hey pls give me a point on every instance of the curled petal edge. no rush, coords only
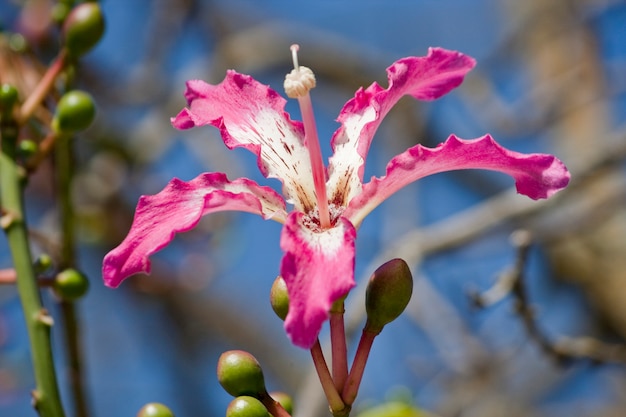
(536, 175)
(178, 208)
(424, 78)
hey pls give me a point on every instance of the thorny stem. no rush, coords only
(315, 152)
(351, 388)
(46, 399)
(338, 343)
(337, 406)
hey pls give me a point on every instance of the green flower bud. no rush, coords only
(27, 148)
(75, 111)
(42, 263)
(155, 410)
(240, 373)
(70, 284)
(283, 399)
(83, 28)
(246, 406)
(59, 12)
(8, 97)
(388, 293)
(393, 409)
(279, 298)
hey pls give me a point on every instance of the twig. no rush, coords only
(565, 348)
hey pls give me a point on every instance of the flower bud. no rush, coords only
(246, 406)
(83, 28)
(8, 97)
(239, 373)
(26, 148)
(284, 400)
(279, 298)
(388, 293)
(42, 264)
(59, 12)
(155, 410)
(75, 111)
(70, 284)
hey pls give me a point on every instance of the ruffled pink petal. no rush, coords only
(251, 115)
(425, 78)
(178, 208)
(536, 175)
(318, 268)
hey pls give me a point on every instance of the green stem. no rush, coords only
(64, 172)
(46, 399)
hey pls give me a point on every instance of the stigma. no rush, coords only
(300, 80)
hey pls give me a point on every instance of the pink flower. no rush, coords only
(328, 203)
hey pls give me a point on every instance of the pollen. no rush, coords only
(300, 80)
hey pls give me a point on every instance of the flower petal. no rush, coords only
(251, 115)
(318, 268)
(425, 78)
(536, 175)
(178, 208)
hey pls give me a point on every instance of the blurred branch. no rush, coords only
(563, 349)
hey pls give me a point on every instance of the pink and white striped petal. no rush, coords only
(251, 115)
(425, 78)
(536, 175)
(318, 268)
(178, 208)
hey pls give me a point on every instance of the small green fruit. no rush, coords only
(246, 406)
(83, 28)
(75, 112)
(240, 373)
(155, 410)
(70, 284)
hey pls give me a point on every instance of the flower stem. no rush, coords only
(64, 173)
(351, 388)
(338, 343)
(46, 399)
(44, 86)
(335, 402)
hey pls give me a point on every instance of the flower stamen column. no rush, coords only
(297, 85)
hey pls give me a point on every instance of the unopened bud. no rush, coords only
(239, 373)
(83, 28)
(70, 284)
(246, 406)
(279, 298)
(75, 112)
(8, 97)
(388, 293)
(155, 410)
